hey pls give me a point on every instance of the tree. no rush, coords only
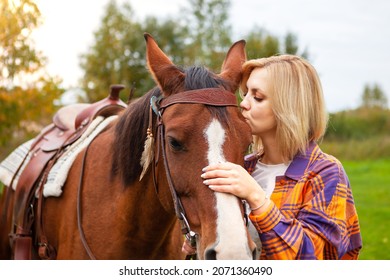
(373, 97)
(261, 43)
(170, 36)
(117, 55)
(16, 54)
(291, 46)
(26, 91)
(208, 32)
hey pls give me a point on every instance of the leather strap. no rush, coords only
(207, 96)
(23, 248)
(79, 206)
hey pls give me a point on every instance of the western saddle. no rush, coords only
(68, 125)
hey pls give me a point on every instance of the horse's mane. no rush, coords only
(130, 131)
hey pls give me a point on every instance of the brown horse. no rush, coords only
(193, 121)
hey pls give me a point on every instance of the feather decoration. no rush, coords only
(147, 154)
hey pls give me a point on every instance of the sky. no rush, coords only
(348, 40)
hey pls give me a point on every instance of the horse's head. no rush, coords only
(200, 125)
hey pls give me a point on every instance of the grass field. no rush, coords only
(370, 181)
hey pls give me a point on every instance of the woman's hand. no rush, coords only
(232, 178)
(187, 248)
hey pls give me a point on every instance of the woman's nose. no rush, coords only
(244, 104)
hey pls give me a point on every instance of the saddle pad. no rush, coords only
(9, 166)
(59, 172)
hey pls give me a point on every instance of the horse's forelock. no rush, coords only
(198, 77)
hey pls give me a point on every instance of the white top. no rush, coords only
(265, 175)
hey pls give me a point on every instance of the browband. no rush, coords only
(206, 96)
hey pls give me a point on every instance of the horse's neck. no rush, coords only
(150, 229)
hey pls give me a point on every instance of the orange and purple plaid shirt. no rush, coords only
(312, 214)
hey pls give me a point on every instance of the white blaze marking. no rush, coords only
(231, 240)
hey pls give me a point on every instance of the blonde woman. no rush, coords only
(300, 198)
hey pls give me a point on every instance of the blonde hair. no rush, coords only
(297, 100)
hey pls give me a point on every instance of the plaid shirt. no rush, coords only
(312, 214)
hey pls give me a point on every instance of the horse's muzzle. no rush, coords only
(211, 254)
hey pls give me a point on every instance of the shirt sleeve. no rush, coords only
(317, 220)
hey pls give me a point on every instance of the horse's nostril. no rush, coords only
(210, 254)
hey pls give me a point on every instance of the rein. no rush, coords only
(209, 96)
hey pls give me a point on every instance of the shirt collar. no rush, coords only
(298, 165)
(301, 161)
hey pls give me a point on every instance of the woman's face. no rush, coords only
(256, 106)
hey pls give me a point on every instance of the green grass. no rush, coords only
(370, 181)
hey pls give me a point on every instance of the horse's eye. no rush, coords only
(174, 144)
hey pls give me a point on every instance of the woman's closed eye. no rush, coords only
(258, 99)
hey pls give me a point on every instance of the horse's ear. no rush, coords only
(168, 77)
(232, 66)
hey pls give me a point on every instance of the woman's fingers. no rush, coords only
(222, 170)
(187, 249)
(217, 174)
(231, 178)
(219, 166)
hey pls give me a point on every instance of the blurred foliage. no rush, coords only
(363, 133)
(359, 134)
(117, 55)
(358, 124)
(17, 21)
(374, 97)
(207, 37)
(260, 43)
(200, 35)
(371, 148)
(27, 93)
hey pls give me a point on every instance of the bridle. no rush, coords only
(216, 97)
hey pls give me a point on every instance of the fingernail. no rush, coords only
(206, 182)
(204, 169)
(203, 175)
